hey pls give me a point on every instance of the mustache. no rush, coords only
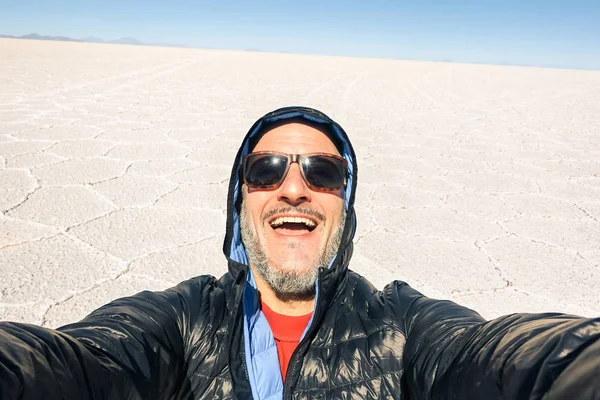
(293, 210)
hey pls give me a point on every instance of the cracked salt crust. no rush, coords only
(65, 262)
(178, 263)
(59, 133)
(147, 151)
(201, 196)
(134, 136)
(570, 190)
(582, 234)
(436, 262)
(80, 171)
(189, 131)
(129, 233)
(162, 167)
(489, 206)
(398, 195)
(527, 263)
(22, 147)
(17, 180)
(33, 160)
(371, 173)
(476, 183)
(543, 206)
(134, 191)
(76, 307)
(366, 222)
(81, 148)
(14, 232)
(495, 182)
(214, 155)
(439, 222)
(62, 206)
(10, 199)
(27, 312)
(591, 209)
(497, 302)
(205, 174)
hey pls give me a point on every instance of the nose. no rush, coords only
(293, 189)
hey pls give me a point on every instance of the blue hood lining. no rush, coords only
(260, 348)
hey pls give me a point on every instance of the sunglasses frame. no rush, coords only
(295, 158)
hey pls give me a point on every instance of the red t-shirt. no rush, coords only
(287, 331)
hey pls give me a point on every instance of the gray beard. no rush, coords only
(288, 284)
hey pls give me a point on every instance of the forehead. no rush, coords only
(296, 138)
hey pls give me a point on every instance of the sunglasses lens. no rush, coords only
(324, 172)
(263, 170)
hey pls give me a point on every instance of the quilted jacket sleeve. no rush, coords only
(132, 348)
(453, 353)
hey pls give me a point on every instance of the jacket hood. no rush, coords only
(233, 247)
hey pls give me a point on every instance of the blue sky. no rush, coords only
(543, 33)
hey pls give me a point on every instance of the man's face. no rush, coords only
(288, 256)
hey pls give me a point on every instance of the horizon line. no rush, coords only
(101, 41)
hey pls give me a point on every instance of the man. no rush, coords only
(290, 320)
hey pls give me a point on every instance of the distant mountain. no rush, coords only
(35, 36)
(127, 40)
(88, 39)
(92, 39)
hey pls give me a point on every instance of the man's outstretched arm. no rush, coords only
(130, 348)
(453, 353)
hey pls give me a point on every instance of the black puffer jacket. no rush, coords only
(188, 342)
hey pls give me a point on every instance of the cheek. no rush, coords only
(255, 204)
(334, 205)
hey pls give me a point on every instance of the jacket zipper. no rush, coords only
(243, 347)
(293, 362)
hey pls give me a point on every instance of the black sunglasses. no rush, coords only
(268, 169)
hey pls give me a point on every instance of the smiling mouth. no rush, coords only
(296, 225)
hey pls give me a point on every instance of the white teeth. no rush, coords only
(297, 220)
